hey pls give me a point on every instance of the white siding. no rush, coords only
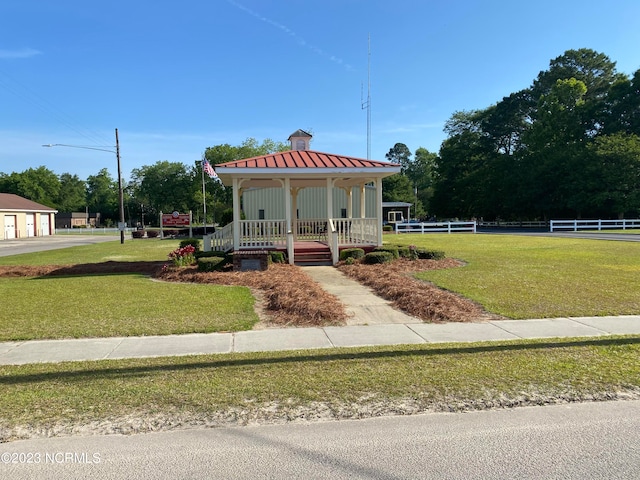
(311, 203)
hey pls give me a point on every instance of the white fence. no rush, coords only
(503, 224)
(436, 227)
(91, 231)
(575, 225)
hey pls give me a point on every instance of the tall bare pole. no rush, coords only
(204, 195)
(367, 105)
(120, 194)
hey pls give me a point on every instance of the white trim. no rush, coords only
(308, 171)
(20, 210)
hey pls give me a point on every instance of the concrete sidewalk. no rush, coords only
(363, 306)
(37, 351)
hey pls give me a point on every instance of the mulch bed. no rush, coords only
(291, 297)
(394, 282)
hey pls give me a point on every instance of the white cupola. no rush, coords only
(300, 140)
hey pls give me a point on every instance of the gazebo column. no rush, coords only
(287, 215)
(379, 209)
(236, 214)
(294, 213)
(350, 202)
(329, 199)
(363, 201)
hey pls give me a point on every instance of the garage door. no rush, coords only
(44, 224)
(31, 224)
(9, 227)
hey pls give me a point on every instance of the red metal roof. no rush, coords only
(9, 201)
(305, 159)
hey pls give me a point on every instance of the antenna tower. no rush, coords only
(367, 105)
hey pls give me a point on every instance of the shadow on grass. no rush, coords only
(273, 358)
(47, 272)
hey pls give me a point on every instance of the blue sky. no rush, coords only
(177, 77)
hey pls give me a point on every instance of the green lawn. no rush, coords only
(538, 277)
(511, 275)
(338, 382)
(115, 305)
(119, 305)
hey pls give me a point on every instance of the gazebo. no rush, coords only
(287, 174)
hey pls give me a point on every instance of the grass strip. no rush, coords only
(119, 305)
(538, 277)
(336, 383)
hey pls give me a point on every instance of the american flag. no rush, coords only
(208, 169)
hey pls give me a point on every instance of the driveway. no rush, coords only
(53, 242)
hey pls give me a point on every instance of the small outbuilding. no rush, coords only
(21, 217)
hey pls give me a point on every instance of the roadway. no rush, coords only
(627, 237)
(569, 441)
(52, 242)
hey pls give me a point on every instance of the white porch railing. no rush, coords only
(263, 234)
(310, 229)
(272, 233)
(221, 240)
(436, 227)
(575, 225)
(356, 231)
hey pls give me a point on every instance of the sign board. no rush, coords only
(175, 219)
(122, 226)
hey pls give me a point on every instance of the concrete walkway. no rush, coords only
(363, 306)
(36, 351)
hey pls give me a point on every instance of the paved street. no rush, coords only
(572, 441)
(52, 242)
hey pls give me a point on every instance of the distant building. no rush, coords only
(77, 220)
(21, 217)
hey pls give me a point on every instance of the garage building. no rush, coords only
(20, 217)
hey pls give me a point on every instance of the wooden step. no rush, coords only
(309, 257)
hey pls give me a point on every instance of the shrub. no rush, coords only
(194, 242)
(392, 249)
(183, 256)
(152, 233)
(277, 257)
(429, 254)
(354, 253)
(378, 257)
(137, 234)
(211, 264)
(170, 233)
(387, 228)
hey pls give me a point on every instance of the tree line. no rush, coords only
(162, 187)
(568, 146)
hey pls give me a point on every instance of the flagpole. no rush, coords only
(204, 196)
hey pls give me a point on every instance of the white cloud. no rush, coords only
(19, 53)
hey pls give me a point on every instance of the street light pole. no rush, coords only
(121, 223)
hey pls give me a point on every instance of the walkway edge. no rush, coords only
(282, 339)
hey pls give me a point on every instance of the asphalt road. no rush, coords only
(52, 242)
(574, 441)
(625, 237)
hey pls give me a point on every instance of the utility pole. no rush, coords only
(367, 105)
(120, 194)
